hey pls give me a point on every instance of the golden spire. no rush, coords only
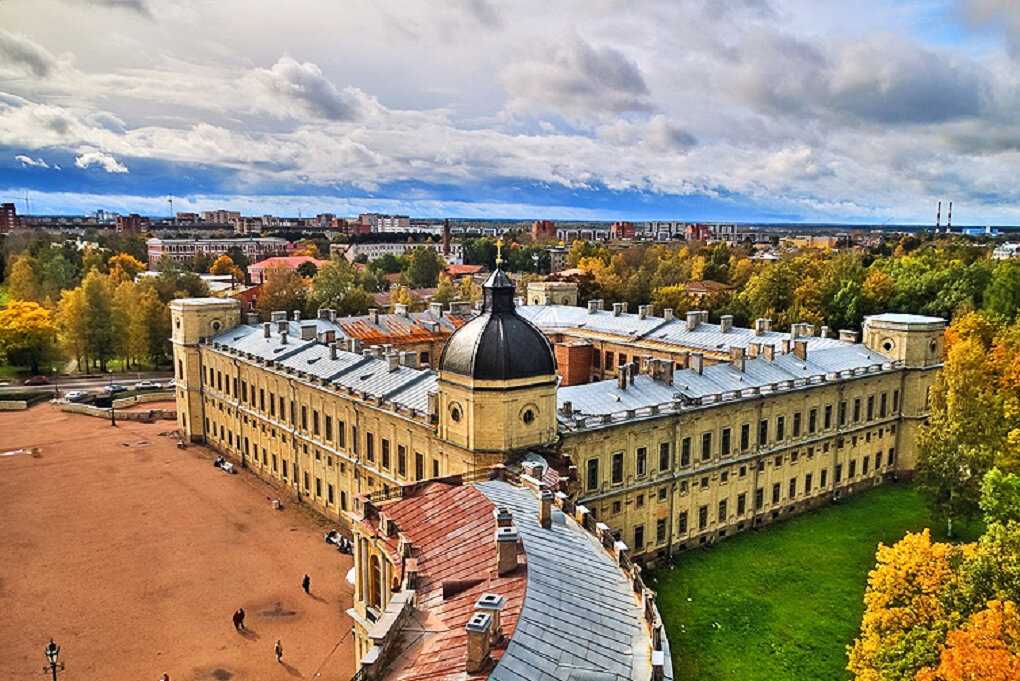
(499, 252)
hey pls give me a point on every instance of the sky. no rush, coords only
(752, 110)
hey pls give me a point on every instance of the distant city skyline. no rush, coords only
(753, 111)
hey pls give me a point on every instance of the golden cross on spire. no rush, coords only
(499, 251)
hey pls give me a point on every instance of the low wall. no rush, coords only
(13, 405)
(100, 412)
(142, 398)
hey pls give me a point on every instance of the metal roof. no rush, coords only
(580, 615)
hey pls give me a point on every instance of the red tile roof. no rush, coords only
(290, 262)
(463, 270)
(453, 532)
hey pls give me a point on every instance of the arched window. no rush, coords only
(375, 583)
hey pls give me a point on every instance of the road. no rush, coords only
(66, 383)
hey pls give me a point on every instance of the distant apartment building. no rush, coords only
(1006, 251)
(371, 251)
(377, 222)
(543, 230)
(8, 217)
(622, 230)
(557, 259)
(188, 218)
(183, 250)
(665, 230)
(226, 217)
(131, 224)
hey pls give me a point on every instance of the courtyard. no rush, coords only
(782, 603)
(133, 554)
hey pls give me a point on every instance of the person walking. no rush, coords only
(306, 584)
(239, 619)
(165, 677)
(278, 649)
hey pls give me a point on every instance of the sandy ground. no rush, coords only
(133, 555)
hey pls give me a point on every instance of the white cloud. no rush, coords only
(31, 162)
(108, 163)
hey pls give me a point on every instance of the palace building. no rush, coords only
(701, 431)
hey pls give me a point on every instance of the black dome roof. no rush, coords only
(498, 344)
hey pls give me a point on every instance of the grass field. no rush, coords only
(782, 603)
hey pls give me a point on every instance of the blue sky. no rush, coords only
(779, 110)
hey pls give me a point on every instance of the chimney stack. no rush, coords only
(373, 315)
(848, 336)
(938, 217)
(479, 641)
(619, 308)
(393, 361)
(737, 358)
(409, 358)
(823, 332)
(667, 314)
(267, 329)
(282, 325)
(692, 320)
(593, 306)
(621, 376)
(333, 351)
(491, 604)
(725, 323)
(769, 352)
(759, 327)
(697, 361)
(296, 315)
(307, 331)
(252, 318)
(283, 338)
(504, 516)
(949, 219)
(800, 349)
(436, 310)
(400, 309)
(323, 314)
(506, 550)
(545, 509)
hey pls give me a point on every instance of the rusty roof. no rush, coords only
(415, 327)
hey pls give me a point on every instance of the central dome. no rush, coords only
(498, 344)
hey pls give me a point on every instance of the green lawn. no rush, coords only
(783, 602)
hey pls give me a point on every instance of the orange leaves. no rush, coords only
(986, 648)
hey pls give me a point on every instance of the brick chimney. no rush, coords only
(725, 323)
(737, 358)
(446, 237)
(504, 516)
(283, 338)
(693, 318)
(333, 354)
(479, 635)
(800, 349)
(373, 315)
(621, 376)
(307, 331)
(491, 604)
(769, 352)
(619, 309)
(436, 310)
(593, 306)
(296, 315)
(506, 550)
(697, 362)
(545, 509)
(848, 336)
(667, 314)
(267, 329)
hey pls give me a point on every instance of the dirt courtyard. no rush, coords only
(133, 555)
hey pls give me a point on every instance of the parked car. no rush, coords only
(114, 388)
(37, 380)
(147, 385)
(170, 385)
(75, 395)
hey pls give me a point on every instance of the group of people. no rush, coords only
(342, 543)
(238, 620)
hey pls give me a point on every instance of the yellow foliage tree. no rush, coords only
(27, 334)
(22, 283)
(124, 266)
(70, 322)
(225, 265)
(987, 648)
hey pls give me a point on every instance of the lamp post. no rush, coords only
(52, 651)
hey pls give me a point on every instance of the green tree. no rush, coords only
(673, 297)
(307, 269)
(27, 335)
(282, 289)
(336, 286)
(1002, 297)
(423, 267)
(150, 325)
(446, 292)
(98, 314)
(70, 322)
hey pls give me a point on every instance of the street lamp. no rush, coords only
(51, 651)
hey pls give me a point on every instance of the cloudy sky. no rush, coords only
(869, 110)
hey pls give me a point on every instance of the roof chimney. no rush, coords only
(504, 516)
(373, 315)
(278, 315)
(491, 604)
(759, 327)
(800, 349)
(621, 376)
(307, 331)
(697, 361)
(545, 509)
(795, 330)
(693, 317)
(282, 325)
(324, 314)
(769, 352)
(593, 306)
(479, 633)
(619, 308)
(725, 323)
(267, 329)
(848, 336)
(567, 409)
(296, 315)
(252, 318)
(436, 309)
(333, 354)
(283, 338)
(784, 346)
(506, 550)
(409, 358)
(393, 361)
(328, 337)
(823, 332)
(753, 350)
(737, 357)
(400, 309)
(667, 314)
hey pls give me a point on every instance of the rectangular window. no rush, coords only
(307, 485)
(593, 474)
(763, 432)
(274, 463)
(272, 405)
(681, 522)
(341, 434)
(293, 413)
(807, 483)
(304, 417)
(329, 494)
(741, 503)
(871, 407)
(419, 466)
(315, 422)
(343, 501)
(706, 446)
(759, 498)
(641, 463)
(402, 461)
(622, 359)
(812, 422)
(745, 437)
(883, 404)
(722, 511)
(639, 538)
(609, 361)
(370, 446)
(895, 401)
(780, 428)
(664, 456)
(839, 473)
(329, 428)
(702, 517)
(891, 456)
(724, 442)
(864, 465)
(685, 452)
(262, 400)
(828, 417)
(385, 452)
(596, 359)
(825, 478)
(617, 468)
(318, 488)
(660, 530)
(283, 408)
(853, 468)
(796, 424)
(639, 502)
(793, 488)
(775, 493)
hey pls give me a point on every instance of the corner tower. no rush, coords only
(497, 378)
(192, 321)
(917, 341)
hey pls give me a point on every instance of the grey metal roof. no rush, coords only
(901, 318)
(580, 617)
(250, 340)
(606, 397)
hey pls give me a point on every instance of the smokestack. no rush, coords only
(332, 351)
(446, 237)
(938, 217)
(621, 376)
(491, 604)
(949, 219)
(504, 516)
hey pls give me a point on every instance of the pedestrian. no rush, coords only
(306, 584)
(239, 619)
(165, 677)
(278, 649)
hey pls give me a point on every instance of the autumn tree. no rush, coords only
(402, 295)
(986, 648)
(70, 322)
(468, 290)
(283, 289)
(27, 335)
(336, 286)
(674, 298)
(22, 283)
(225, 265)
(126, 263)
(98, 315)
(446, 292)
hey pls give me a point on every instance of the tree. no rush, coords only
(98, 318)
(446, 292)
(70, 322)
(335, 286)
(1000, 497)
(905, 619)
(200, 263)
(423, 267)
(283, 289)
(22, 283)
(27, 334)
(150, 325)
(674, 298)
(468, 290)
(307, 269)
(1002, 297)
(402, 296)
(126, 263)
(225, 265)
(986, 648)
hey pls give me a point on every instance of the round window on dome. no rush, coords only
(455, 413)
(528, 416)
(888, 345)
(216, 325)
